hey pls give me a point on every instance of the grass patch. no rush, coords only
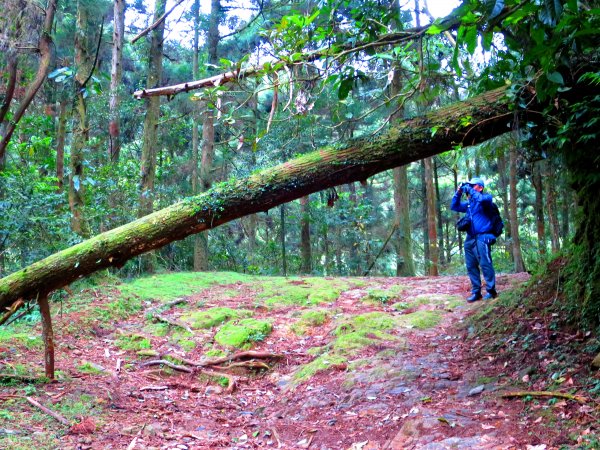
(310, 319)
(421, 319)
(133, 342)
(320, 364)
(243, 333)
(279, 291)
(383, 296)
(213, 317)
(169, 286)
(10, 336)
(90, 368)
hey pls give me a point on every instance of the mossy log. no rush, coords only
(466, 123)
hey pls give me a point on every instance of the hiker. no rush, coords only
(478, 244)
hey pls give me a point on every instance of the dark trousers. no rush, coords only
(478, 255)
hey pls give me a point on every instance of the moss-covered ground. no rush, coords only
(345, 336)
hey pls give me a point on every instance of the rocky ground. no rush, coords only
(382, 363)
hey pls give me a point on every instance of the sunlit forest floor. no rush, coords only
(229, 361)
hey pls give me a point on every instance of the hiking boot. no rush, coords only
(490, 295)
(474, 297)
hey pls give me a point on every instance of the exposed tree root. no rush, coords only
(200, 367)
(575, 398)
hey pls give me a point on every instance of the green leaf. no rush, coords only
(555, 77)
(345, 88)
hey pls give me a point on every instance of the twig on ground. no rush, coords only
(575, 398)
(168, 364)
(174, 322)
(54, 414)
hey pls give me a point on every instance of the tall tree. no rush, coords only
(150, 134)
(83, 72)
(431, 203)
(536, 180)
(305, 244)
(514, 213)
(201, 254)
(116, 72)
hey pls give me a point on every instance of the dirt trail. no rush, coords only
(414, 385)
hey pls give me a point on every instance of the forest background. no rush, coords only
(81, 155)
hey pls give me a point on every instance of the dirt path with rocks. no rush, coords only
(414, 385)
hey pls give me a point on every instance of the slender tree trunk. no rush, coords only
(514, 217)
(61, 133)
(405, 265)
(503, 187)
(47, 336)
(80, 125)
(431, 202)
(539, 207)
(438, 213)
(551, 208)
(282, 239)
(424, 221)
(201, 253)
(305, 244)
(150, 134)
(115, 79)
(457, 215)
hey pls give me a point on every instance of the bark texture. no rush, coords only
(403, 143)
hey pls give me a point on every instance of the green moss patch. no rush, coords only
(170, 286)
(320, 364)
(133, 342)
(278, 291)
(241, 334)
(9, 337)
(213, 317)
(357, 332)
(421, 319)
(310, 319)
(383, 296)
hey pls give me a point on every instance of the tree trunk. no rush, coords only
(115, 79)
(282, 239)
(201, 255)
(47, 336)
(45, 49)
(61, 133)
(405, 265)
(431, 202)
(80, 125)
(408, 141)
(150, 134)
(551, 208)
(305, 244)
(438, 214)
(539, 206)
(514, 215)
(503, 187)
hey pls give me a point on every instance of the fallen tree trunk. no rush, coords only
(411, 140)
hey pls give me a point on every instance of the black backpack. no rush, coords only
(497, 223)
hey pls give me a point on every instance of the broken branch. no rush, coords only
(575, 398)
(55, 415)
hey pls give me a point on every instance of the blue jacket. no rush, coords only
(476, 206)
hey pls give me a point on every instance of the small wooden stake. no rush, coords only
(47, 335)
